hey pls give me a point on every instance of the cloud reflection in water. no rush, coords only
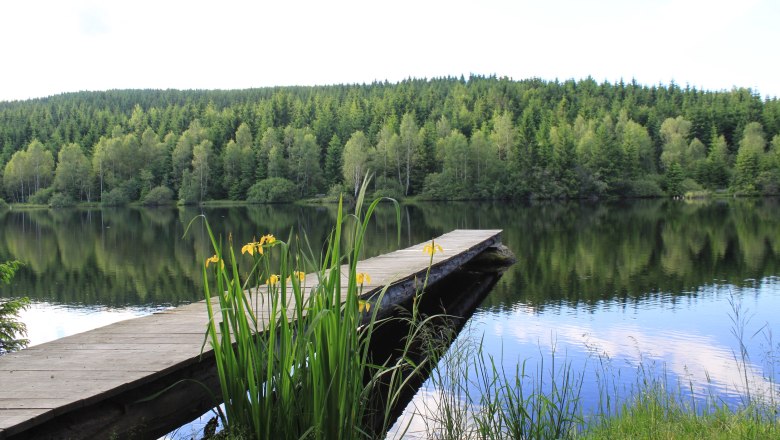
(47, 322)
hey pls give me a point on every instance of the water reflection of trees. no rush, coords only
(567, 252)
(628, 251)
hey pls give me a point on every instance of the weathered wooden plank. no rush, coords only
(12, 417)
(25, 403)
(19, 378)
(160, 343)
(84, 383)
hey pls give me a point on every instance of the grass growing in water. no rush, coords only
(290, 358)
(475, 398)
(655, 413)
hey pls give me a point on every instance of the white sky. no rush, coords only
(56, 46)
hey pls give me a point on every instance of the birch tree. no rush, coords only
(409, 143)
(74, 172)
(355, 160)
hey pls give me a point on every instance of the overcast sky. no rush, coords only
(56, 46)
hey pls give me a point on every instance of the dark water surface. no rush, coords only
(608, 286)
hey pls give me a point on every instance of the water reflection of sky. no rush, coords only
(687, 340)
(47, 322)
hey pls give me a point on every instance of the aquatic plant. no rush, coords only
(292, 352)
(472, 396)
(475, 397)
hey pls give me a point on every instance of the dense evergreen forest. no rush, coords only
(447, 138)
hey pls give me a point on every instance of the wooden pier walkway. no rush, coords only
(96, 384)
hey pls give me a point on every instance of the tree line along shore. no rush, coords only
(446, 138)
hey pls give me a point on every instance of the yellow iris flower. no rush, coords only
(297, 274)
(363, 306)
(432, 248)
(214, 259)
(362, 277)
(273, 280)
(250, 248)
(257, 246)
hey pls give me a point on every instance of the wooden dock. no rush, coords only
(97, 384)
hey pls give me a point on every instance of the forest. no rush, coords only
(445, 139)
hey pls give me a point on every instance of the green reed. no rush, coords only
(657, 409)
(292, 352)
(477, 398)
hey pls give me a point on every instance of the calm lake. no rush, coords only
(607, 287)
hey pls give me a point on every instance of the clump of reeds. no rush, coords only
(476, 398)
(656, 412)
(292, 351)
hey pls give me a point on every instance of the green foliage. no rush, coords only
(304, 160)
(8, 270)
(675, 135)
(745, 170)
(438, 186)
(200, 177)
(61, 200)
(42, 196)
(410, 140)
(181, 156)
(717, 164)
(74, 173)
(297, 370)
(239, 164)
(646, 187)
(388, 188)
(28, 171)
(690, 185)
(12, 331)
(435, 188)
(118, 159)
(339, 191)
(159, 195)
(355, 160)
(3, 205)
(653, 412)
(115, 197)
(272, 190)
(188, 193)
(768, 182)
(528, 138)
(674, 180)
(333, 167)
(749, 158)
